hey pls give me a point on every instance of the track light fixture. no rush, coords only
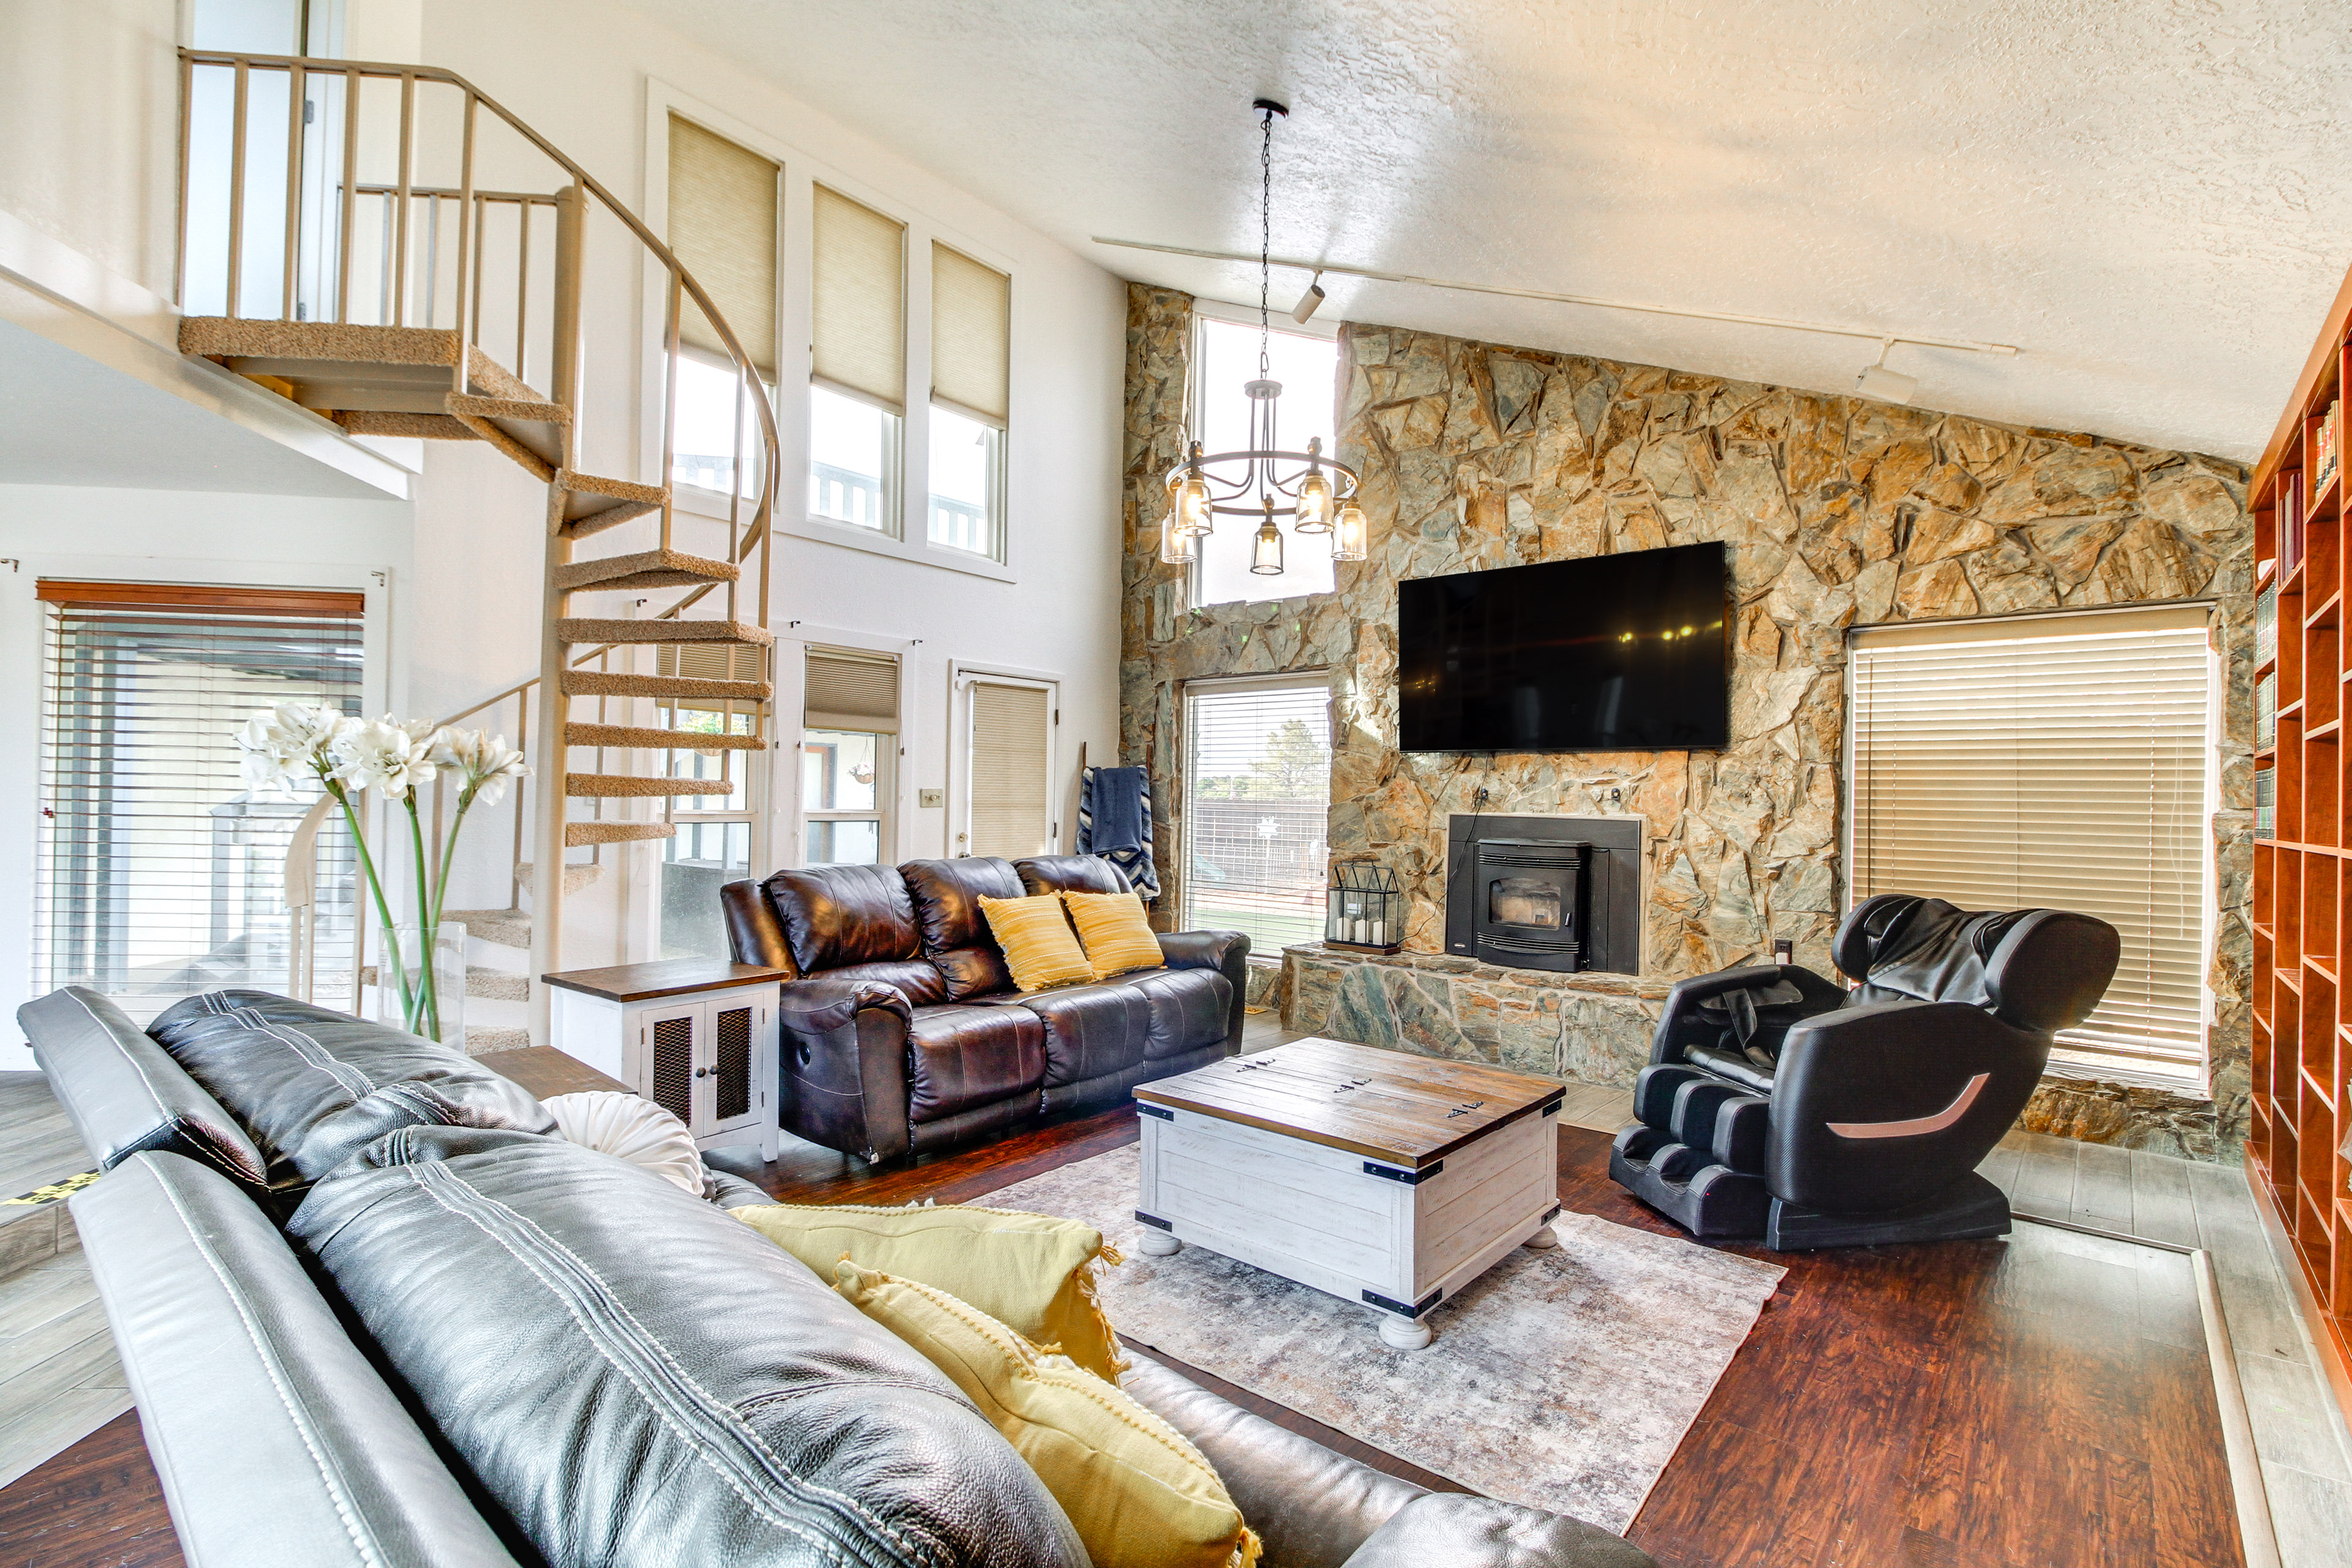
(1886, 385)
(1308, 303)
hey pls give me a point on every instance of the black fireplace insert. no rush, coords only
(1545, 892)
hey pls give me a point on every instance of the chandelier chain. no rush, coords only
(1265, 236)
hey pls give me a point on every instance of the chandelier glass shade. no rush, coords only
(1317, 490)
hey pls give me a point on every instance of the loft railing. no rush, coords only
(349, 192)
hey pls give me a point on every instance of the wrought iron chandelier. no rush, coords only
(1319, 494)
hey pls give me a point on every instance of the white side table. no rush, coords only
(695, 1036)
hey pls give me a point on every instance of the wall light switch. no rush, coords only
(930, 797)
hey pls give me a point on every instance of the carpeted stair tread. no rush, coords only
(390, 422)
(574, 877)
(602, 683)
(583, 524)
(491, 984)
(584, 629)
(579, 833)
(507, 928)
(328, 344)
(462, 404)
(480, 1041)
(659, 739)
(625, 787)
(643, 569)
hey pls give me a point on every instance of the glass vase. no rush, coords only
(421, 981)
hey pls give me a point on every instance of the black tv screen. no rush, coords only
(1612, 653)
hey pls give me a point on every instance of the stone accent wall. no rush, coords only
(1842, 512)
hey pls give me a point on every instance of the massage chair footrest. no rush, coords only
(1716, 1202)
(1971, 1207)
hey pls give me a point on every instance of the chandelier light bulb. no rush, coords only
(1176, 548)
(1347, 538)
(1265, 556)
(1314, 503)
(1192, 513)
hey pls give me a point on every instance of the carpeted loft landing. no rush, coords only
(1561, 1379)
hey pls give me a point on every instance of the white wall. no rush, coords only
(579, 73)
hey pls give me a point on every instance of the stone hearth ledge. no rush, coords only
(1590, 1028)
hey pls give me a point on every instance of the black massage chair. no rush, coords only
(1778, 1104)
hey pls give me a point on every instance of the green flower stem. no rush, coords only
(375, 890)
(429, 999)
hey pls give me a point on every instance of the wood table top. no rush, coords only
(547, 1072)
(1391, 1106)
(663, 977)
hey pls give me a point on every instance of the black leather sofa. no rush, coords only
(1778, 1104)
(903, 1034)
(472, 1344)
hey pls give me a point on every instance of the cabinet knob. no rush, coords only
(702, 1072)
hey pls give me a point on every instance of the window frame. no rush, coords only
(910, 539)
(1196, 410)
(2198, 1085)
(1314, 679)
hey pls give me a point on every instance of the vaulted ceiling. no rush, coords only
(2152, 199)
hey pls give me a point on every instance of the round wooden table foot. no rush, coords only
(1154, 1243)
(1404, 1333)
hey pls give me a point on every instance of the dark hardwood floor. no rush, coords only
(2042, 1402)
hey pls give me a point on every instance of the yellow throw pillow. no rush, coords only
(1031, 1272)
(1038, 945)
(1139, 1495)
(1114, 932)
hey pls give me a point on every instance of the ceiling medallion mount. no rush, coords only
(1319, 494)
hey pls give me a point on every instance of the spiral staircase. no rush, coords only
(406, 306)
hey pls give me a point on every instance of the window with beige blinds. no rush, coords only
(2059, 761)
(1256, 808)
(849, 689)
(161, 875)
(849, 754)
(971, 335)
(858, 280)
(723, 225)
(1009, 769)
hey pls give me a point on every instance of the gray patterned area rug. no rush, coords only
(1561, 1379)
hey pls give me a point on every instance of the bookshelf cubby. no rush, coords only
(2302, 915)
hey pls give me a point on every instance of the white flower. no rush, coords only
(292, 737)
(485, 761)
(383, 754)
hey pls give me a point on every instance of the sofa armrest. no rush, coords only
(755, 934)
(125, 1094)
(1227, 952)
(844, 1065)
(1455, 1529)
(1683, 1001)
(1312, 1507)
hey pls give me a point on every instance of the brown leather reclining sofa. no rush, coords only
(903, 1033)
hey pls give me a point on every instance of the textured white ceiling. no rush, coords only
(2152, 197)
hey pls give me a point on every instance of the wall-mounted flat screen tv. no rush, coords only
(1612, 653)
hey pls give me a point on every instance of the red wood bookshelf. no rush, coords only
(2302, 1109)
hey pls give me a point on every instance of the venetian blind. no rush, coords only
(2055, 762)
(723, 225)
(971, 335)
(858, 278)
(160, 874)
(1010, 809)
(848, 690)
(1257, 793)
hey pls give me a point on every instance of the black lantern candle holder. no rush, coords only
(1364, 910)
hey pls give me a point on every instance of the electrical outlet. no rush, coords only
(930, 797)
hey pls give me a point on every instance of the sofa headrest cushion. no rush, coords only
(947, 894)
(311, 1086)
(838, 915)
(621, 1368)
(1069, 874)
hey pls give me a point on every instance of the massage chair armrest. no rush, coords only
(1227, 952)
(1881, 1105)
(1455, 1529)
(845, 1064)
(1683, 1002)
